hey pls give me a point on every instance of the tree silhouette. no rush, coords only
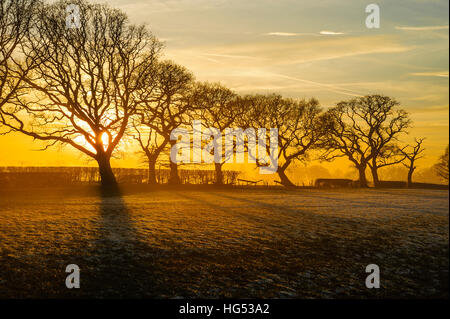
(162, 111)
(299, 123)
(364, 130)
(84, 89)
(442, 166)
(151, 144)
(412, 155)
(218, 107)
(16, 19)
(388, 155)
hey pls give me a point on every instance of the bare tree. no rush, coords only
(365, 130)
(387, 156)
(163, 111)
(442, 166)
(412, 153)
(218, 107)
(390, 124)
(16, 19)
(84, 89)
(299, 124)
(151, 144)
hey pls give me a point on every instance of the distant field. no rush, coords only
(211, 243)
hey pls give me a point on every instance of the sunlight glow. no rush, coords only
(105, 141)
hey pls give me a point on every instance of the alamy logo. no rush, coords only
(73, 279)
(73, 20)
(373, 279)
(373, 19)
(206, 146)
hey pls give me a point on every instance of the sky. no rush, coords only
(300, 49)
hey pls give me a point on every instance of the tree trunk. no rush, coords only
(376, 180)
(284, 179)
(219, 174)
(362, 176)
(106, 174)
(151, 171)
(410, 173)
(174, 179)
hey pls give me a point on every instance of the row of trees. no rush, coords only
(104, 82)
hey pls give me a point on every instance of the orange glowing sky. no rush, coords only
(300, 49)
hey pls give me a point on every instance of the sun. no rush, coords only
(81, 140)
(105, 140)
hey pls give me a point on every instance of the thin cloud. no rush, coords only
(331, 33)
(232, 56)
(294, 34)
(443, 74)
(328, 87)
(261, 54)
(283, 34)
(426, 28)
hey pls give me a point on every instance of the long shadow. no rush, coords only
(119, 263)
(273, 207)
(346, 201)
(216, 205)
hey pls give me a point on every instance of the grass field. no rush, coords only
(213, 243)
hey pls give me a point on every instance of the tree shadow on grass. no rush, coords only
(119, 264)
